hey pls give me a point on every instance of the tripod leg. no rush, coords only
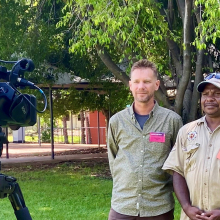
(18, 204)
(23, 214)
(9, 187)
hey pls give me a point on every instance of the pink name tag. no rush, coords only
(157, 137)
(218, 155)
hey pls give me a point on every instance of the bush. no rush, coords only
(45, 135)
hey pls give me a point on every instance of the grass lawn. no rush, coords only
(70, 191)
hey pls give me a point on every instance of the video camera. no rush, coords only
(17, 109)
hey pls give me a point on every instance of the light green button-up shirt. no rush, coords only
(140, 186)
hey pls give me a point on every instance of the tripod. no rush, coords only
(9, 187)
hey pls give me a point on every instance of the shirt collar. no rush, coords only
(154, 110)
(201, 120)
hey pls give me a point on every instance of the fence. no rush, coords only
(43, 135)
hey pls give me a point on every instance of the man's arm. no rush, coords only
(111, 145)
(182, 194)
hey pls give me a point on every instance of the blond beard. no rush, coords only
(146, 99)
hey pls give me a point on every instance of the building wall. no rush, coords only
(76, 122)
(97, 127)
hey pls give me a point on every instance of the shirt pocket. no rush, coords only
(191, 155)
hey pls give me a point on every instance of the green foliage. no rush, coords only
(13, 27)
(111, 96)
(45, 136)
(124, 29)
(209, 27)
(63, 36)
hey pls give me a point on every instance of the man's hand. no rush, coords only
(210, 215)
(193, 212)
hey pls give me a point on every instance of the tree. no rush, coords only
(209, 27)
(163, 31)
(105, 37)
(13, 28)
(82, 120)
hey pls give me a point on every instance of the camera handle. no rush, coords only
(9, 187)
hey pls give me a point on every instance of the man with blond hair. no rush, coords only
(140, 138)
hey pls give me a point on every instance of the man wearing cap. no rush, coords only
(195, 158)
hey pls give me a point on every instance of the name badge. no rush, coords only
(218, 155)
(157, 137)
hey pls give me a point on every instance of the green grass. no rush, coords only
(70, 191)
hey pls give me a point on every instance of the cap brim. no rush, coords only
(202, 85)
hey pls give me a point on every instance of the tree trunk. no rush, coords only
(194, 113)
(82, 119)
(88, 130)
(121, 75)
(181, 8)
(187, 69)
(65, 132)
(198, 78)
(187, 102)
(106, 59)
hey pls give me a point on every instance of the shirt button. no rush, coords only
(205, 183)
(208, 157)
(210, 145)
(206, 170)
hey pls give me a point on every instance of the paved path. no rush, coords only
(25, 153)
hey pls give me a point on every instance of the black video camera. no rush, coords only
(17, 109)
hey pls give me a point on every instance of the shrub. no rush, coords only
(45, 135)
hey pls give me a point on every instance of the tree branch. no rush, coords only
(121, 75)
(198, 79)
(181, 8)
(174, 49)
(106, 59)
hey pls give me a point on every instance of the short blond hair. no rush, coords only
(143, 64)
